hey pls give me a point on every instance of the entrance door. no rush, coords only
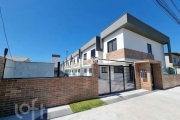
(152, 75)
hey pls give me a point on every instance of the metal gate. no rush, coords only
(113, 78)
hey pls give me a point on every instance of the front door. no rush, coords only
(152, 75)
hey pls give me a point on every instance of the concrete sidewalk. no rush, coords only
(160, 105)
(65, 110)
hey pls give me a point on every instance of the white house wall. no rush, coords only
(88, 51)
(139, 43)
(120, 41)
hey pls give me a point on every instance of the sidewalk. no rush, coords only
(160, 105)
(65, 110)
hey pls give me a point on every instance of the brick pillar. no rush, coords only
(95, 78)
(2, 60)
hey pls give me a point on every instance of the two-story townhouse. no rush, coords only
(127, 40)
(175, 60)
(79, 63)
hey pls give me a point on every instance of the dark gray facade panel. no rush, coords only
(114, 26)
(80, 55)
(147, 30)
(53, 55)
(169, 52)
(98, 44)
(131, 23)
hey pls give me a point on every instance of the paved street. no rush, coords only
(160, 105)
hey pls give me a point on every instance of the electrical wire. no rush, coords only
(163, 4)
(175, 6)
(5, 33)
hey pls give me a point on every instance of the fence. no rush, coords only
(14, 69)
(50, 92)
(170, 70)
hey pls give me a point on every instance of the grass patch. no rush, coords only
(86, 105)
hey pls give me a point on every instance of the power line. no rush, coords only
(175, 6)
(167, 8)
(5, 33)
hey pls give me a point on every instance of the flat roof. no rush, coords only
(84, 47)
(173, 53)
(133, 24)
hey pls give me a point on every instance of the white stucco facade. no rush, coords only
(139, 43)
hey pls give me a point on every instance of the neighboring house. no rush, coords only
(175, 59)
(127, 39)
(20, 59)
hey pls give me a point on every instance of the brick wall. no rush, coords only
(157, 76)
(170, 81)
(128, 53)
(87, 62)
(76, 65)
(49, 91)
(145, 82)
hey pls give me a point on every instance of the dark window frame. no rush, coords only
(104, 70)
(85, 58)
(94, 50)
(77, 59)
(113, 47)
(85, 70)
(90, 70)
(149, 48)
(119, 69)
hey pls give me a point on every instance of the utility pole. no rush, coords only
(66, 55)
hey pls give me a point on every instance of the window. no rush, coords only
(143, 74)
(85, 56)
(149, 48)
(77, 59)
(74, 60)
(174, 60)
(90, 70)
(104, 69)
(112, 45)
(118, 69)
(93, 53)
(78, 70)
(85, 70)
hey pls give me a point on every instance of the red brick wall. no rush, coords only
(145, 83)
(128, 53)
(157, 76)
(49, 91)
